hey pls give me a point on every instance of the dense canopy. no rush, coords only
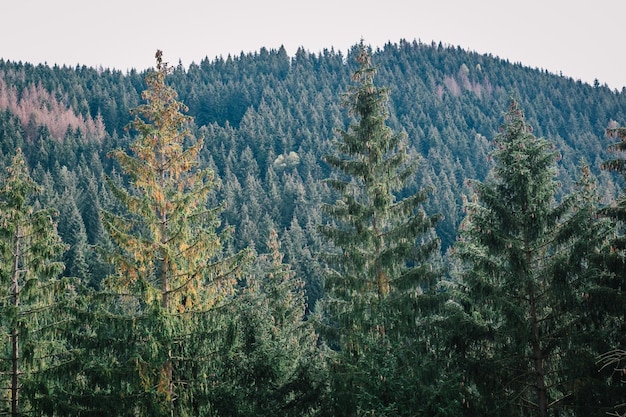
(383, 232)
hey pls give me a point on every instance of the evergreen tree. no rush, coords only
(608, 298)
(74, 234)
(528, 266)
(382, 267)
(274, 365)
(31, 316)
(170, 272)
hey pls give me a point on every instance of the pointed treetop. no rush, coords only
(366, 72)
(514, 119)
(19, 183)
(159, 58)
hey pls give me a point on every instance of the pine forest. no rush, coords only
(413, 230)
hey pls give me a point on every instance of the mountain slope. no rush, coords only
(269, 118)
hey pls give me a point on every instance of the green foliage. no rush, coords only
(448, 101)
(607, 299)
(32, 296)
(265, 121)
(528, 265)
(169, 270)
(382, 268)
(274, 364)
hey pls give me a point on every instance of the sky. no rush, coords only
(582, 39)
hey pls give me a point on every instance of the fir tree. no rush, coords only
(274, 365)
(31, 293)
(528, 261)
(74, 234)
(383, 258)
(608, 298)
(170, 270)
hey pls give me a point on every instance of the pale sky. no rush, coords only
(581, 39)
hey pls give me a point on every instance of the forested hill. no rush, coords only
(269, 118)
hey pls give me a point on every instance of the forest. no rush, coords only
(415, 230)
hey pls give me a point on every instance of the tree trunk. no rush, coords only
(15, 355)
(538, 359)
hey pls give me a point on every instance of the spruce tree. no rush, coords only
(170, 272)
(382, 266)
(31, 314)
(608, 298)
(528, 265)
(74, 234)
(274, 365)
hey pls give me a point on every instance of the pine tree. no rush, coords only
(528, 266)
(30, 313)
(170, 270)
(274, 365)
(74, 234)
(383, 258)
(608, 298)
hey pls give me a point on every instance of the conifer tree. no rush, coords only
(169, 268)
(608, 297)
(274, 365)
(383, 259)
(528, 266)
(74, 234)
(31, 317)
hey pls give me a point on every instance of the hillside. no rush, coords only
(416, 230)
(268, 119)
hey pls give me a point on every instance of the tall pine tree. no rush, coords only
(608, 298)
(170, 270)
(383, 261)
(528, 266)
(31, 314)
